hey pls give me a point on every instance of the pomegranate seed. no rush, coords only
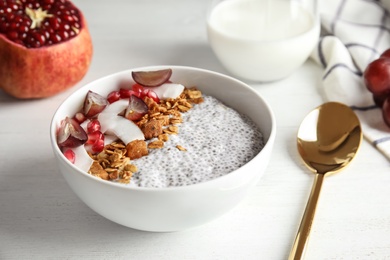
(13, 26)
(12, 35)
(70, 155)
(137, 88)
(63, 34)
(94, 136)
(113, 96)
(80, 117)
(95, 143)
(54, 23)
(93, 126)
(151, 94)
(55, 38)
(23, 28)
(98, 146)
(126, 93)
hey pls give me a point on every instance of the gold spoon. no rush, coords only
(328, 139)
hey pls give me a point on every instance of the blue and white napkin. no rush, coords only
(354, 33)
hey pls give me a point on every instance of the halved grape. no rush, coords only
(151, 78)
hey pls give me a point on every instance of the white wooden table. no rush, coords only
(41, 218)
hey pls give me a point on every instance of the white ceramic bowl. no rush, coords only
(173, 208)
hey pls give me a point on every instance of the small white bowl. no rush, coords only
(173, 208)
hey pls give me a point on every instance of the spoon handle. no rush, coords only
(301, 239)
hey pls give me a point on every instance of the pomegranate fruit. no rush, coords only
(45, 47)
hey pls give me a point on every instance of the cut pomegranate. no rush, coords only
(151, 78)
(45, 47)
(136, 109)
(94, 104)
(70, 155)
(71, 134)
(39, 23)
(93, 126)
(113, 97)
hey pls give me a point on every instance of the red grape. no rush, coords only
(386, 111)
(377, 77)
(386, 54)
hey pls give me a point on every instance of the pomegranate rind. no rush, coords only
(28, 73)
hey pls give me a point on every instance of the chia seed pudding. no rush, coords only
(218, 140)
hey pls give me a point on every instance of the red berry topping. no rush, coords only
(70, 155)
(151, 94)
(93, 126)
(94, 136)
(138, 89)
(98, 146)
(95, 143)
(113, 97)
(126, 93)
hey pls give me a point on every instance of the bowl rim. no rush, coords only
(56, 149)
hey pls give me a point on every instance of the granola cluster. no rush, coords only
(162, 119)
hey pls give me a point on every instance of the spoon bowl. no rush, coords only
(328, 139)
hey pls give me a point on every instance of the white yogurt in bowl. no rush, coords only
(262, 40)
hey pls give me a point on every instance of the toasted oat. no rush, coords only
(97, 170)
(156, 144)
(131, 167)
(114, 175)
(181, 148)
(163, 137)
(111, 163)
(172, 130)
(175, 120)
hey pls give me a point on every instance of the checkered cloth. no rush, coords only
(354, 32)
